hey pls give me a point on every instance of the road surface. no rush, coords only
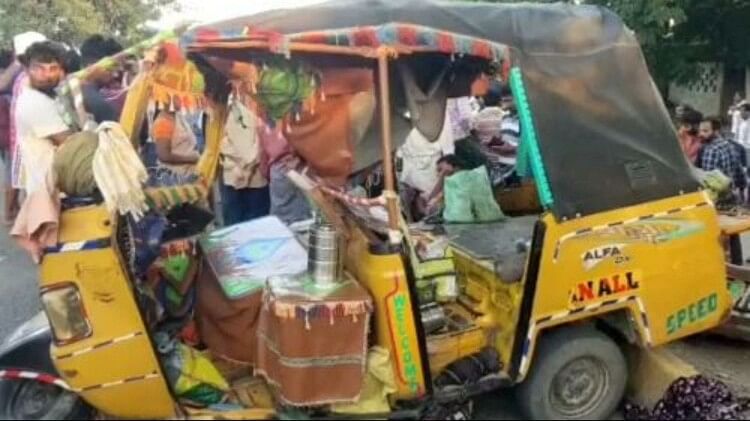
(18, 285)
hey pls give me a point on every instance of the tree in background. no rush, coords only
(72, 21)
(675, 34)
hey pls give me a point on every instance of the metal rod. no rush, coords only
(385, 114)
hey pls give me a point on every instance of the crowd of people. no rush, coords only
(31, 122)
(480, 131)
(33, 126)
(719, 145)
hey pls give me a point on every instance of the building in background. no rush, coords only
(713, 92)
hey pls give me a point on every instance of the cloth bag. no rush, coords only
(469, 198)
(327, 138)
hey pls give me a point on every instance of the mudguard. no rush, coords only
(27, 348)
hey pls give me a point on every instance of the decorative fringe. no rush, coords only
(119, 172)
(331, 311)
(166, 98)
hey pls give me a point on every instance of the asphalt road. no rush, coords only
(18, 285)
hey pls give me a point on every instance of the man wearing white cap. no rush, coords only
(21, 43)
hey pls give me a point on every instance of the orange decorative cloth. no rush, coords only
(304, 343)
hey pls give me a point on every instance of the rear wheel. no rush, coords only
(577, 374)
(32, 400)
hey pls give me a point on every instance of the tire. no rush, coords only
(31, 400)
(576, 374)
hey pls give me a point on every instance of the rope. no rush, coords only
(47, 379)
(352, 200)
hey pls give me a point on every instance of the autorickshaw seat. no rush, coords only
(504, 244)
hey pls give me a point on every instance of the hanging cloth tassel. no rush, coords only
(119, 172)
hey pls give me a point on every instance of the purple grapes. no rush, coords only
(694, 398)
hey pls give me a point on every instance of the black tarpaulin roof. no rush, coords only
(604, 133)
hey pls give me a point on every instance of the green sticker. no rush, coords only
(177, 267)
(737, 289)
(173, 296)
(692, 314)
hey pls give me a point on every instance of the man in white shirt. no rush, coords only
(742, 133)
(38, 120)
(245, 193)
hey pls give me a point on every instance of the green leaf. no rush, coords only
(72, 21)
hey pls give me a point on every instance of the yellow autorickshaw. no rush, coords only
(624, 248)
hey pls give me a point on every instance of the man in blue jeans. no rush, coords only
(244, 191)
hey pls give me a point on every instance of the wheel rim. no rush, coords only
(580, 387)
(28, 400)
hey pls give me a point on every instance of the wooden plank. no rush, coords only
(733, 225)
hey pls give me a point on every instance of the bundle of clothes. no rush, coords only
(90, 164)
(163, 257)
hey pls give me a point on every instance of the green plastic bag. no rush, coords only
(199, 380)
(469, 198)
(715, 182)
(282, 86)
(458, 199)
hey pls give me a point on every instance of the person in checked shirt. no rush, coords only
(718, 154)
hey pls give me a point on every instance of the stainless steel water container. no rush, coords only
(433, 318)
(323, 261)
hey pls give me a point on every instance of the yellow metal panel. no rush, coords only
(135, 400)
(112, 311)
(209, 162)
(497, 303)
(448, 348)
(96, 367)
(85, 224)
(106, 293)
(135, 107)
(395, 328)
(121, 380)
(667, 254)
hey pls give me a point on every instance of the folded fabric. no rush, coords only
(379, 383)
(427, 108)
(300, 348)
(327, 136)
(469, 198)
(119, 172)
(420, 156)
(193, 376)
(457, 200)
(37, 223)
(488, 124)
(228, 327)
(146, 234)
(73, 164)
